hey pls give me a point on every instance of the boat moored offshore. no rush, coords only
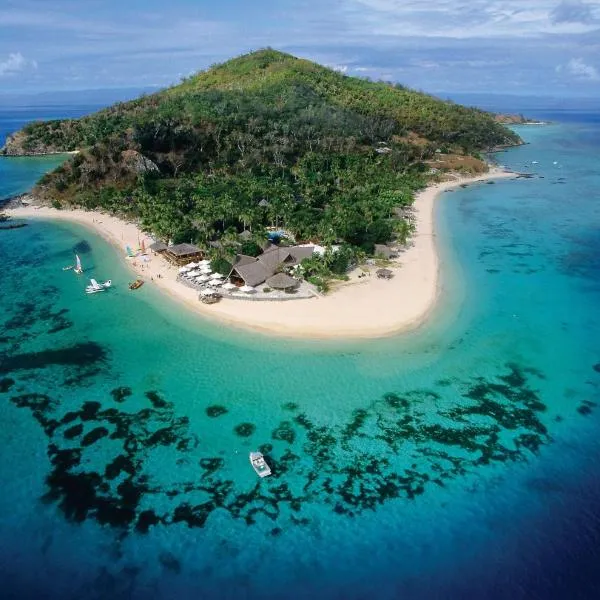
(257, 460)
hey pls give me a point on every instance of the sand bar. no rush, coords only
(361, 308)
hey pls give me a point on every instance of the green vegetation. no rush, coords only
(263, 140)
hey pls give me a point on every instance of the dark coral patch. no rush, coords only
(395, 401)
(284, 432)
(82, 247)
(120, 465)
(6, 384)
(597, 367)
(245, 429)
(265, 448)
(147, 519)
(120, 394)
(93, 436)
(89, 411)
(79, 355)
(157, 401)
(585, 408)
(211, 465)
(291, 406)
(72, 432)
(215, 411)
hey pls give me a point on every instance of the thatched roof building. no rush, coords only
(158, 247)
(251, 274)
(282, 281)
(182, 253)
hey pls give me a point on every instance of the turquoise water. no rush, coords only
(456, 461)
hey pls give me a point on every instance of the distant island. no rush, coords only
(508, 119)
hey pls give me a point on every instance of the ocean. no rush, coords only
(456, 461)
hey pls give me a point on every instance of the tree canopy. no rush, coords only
(265, 139)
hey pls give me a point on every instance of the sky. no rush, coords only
(528, 47)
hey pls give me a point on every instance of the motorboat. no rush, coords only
(257, 460)
(134, 285)
(96, 287)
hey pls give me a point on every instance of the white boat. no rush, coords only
(78, 268)
(96, 287)
(258, 463)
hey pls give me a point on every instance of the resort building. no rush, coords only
(255, 271)
(181, 254)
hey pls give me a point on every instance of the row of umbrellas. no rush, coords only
(213, 280)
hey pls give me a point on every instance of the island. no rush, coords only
(288, 179)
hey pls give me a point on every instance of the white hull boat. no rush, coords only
(96, 287)
(78, 268)
(259, 464)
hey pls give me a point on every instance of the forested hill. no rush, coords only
(204, 156)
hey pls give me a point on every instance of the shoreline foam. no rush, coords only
(361, 308)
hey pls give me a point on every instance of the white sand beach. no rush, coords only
(361, 308)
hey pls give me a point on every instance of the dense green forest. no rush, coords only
(263, 139)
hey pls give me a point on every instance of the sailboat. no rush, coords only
(78, 268)
(96, 287)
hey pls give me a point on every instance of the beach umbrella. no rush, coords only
(215, 282)
(202, 278)
(247, 288)
(206, 270)
(229, 286)
(184, 269)
(217, 276)
(204, 262)
(193, 274)
(207, 292)
(191, 265)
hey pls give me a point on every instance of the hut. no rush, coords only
(384, 273)
(282, 281)
(251, 274)
(181, 254)
(158, 247)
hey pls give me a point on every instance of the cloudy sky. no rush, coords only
(544, 47)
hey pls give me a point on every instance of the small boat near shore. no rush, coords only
(78, 268)
(138, 283)
(96, 287)
(257, 460)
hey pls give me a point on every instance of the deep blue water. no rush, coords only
(456, 461)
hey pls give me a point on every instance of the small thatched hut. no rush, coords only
(282, 281)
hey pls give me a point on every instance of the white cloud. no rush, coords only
(458, 19)
(580, 70)
(15, 63)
